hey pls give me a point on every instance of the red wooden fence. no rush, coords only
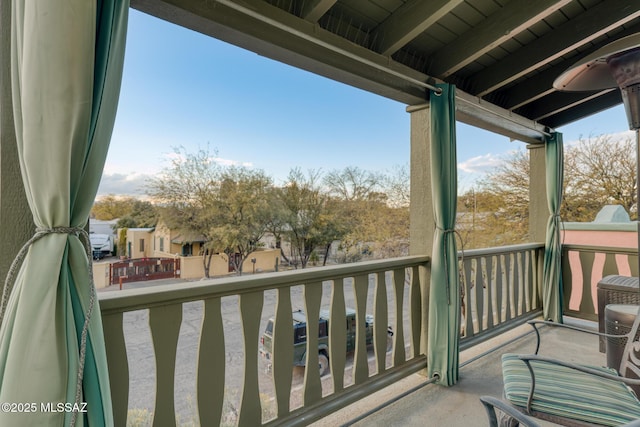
(135, 270)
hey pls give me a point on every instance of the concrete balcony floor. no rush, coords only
(480, 374)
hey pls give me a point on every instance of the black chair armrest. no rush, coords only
(535, 323)
(490, 405)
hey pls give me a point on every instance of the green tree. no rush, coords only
(310, 221)
(503, 202)
(186, 190)
(227, 206)
(277, 219)
(373, 226)
(242, 213)
(111, 207)
(141, 213)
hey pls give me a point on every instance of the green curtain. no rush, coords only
(66, 69)
(552, 273)
(444, 296)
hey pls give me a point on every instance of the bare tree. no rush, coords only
(599, 171)
(397, 187)
(353, 183)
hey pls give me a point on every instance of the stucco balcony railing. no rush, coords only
(583, 267)
(191, 351)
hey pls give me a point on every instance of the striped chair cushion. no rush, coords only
(565, 392)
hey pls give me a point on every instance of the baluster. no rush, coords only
(633, 265)
(479, 295)
(361, 364)
(468, 312)
(526, 277)
(250, 313)
(164, 322)
(586, 262)
(338, 335)
(536, 271)
(282, 351)
(312, 382)
(488, 265)
(399, 355)
(610, 264)
(211, 364)
(517, 282)
(500, 284)
(567, 280)
(508, 272)
(116, 349)
(415, 301)
(520, 306)
(381, 320)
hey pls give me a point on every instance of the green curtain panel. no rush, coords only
(552, 273)
(66, 68)
(444, 296)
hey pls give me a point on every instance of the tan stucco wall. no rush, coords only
(191, 267)
(265, 261)
(134, 236)
(101, 274)
(162, 232)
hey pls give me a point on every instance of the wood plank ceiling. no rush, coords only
(504, 54)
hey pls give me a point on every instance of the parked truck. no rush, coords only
(300, 338)
(101, 245)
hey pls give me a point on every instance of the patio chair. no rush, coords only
(514, 416)
(570, 394)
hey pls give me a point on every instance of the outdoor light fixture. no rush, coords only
(615, 65)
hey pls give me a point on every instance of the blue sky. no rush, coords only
(181, 88)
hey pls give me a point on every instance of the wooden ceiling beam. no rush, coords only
(312, 10)
(576, 32)
(584, 109)
(409, 21)
(515, 17)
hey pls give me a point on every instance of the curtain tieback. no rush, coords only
(446, 255)
(10, 281)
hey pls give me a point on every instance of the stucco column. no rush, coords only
(421, 221)
(538, 208)
(16, 225)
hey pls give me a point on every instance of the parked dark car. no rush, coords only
(300, 337)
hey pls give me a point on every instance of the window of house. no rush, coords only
(161, 244)
(141, 245)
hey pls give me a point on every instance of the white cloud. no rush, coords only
(180, 157)
(133, 184)
(480, 164)
(119, 180)
(618, 136)
(228, 162)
